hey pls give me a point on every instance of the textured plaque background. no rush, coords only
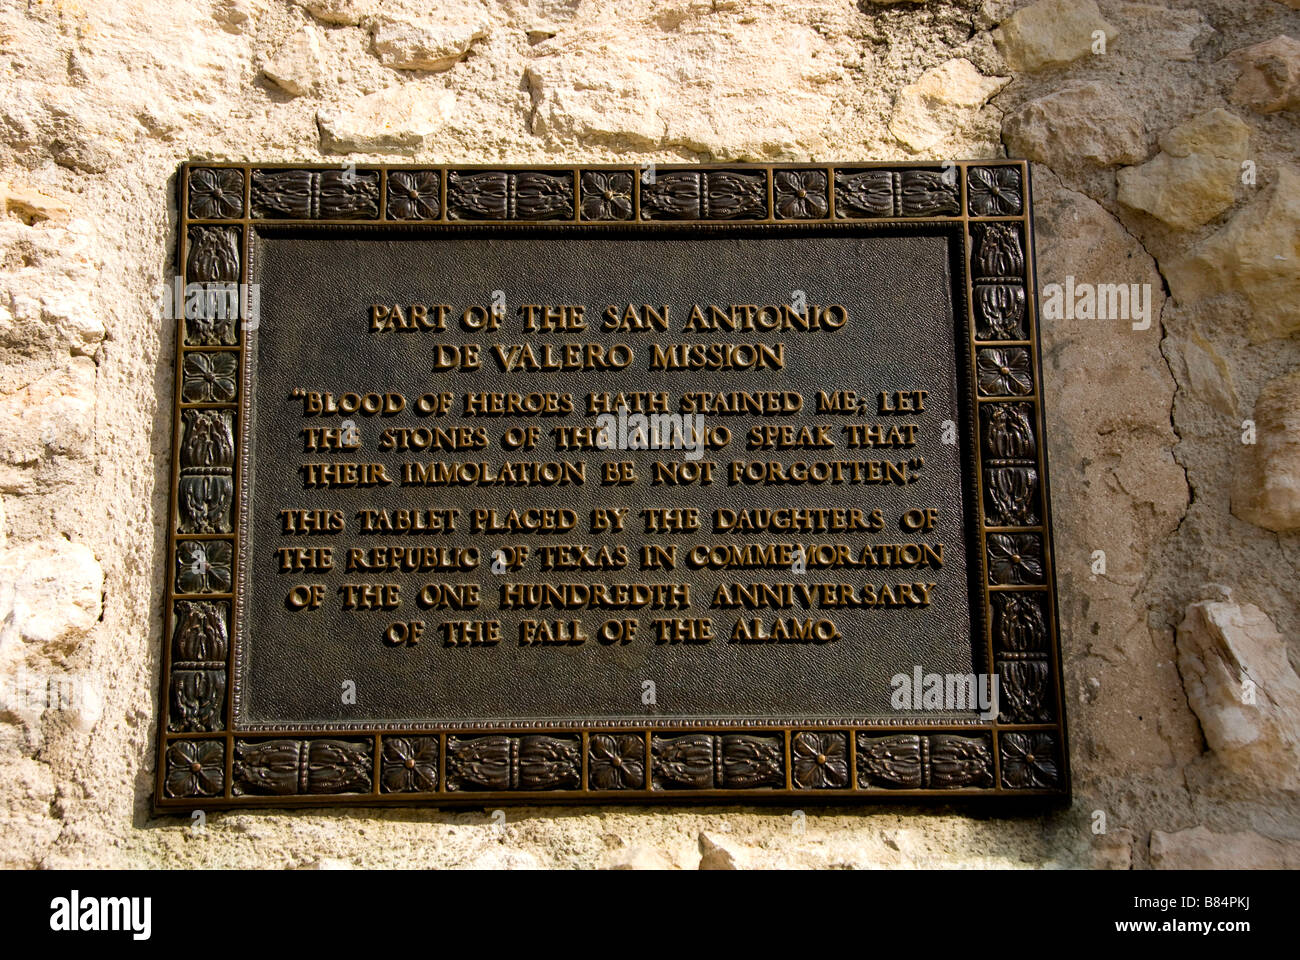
(897, 287)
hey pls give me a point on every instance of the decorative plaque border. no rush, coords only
(204, 761)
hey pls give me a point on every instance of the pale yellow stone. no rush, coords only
(703, 87)
(51, 418)
(347, 12)
(295, 66)
(1082, 124)
(933, 110)
(1254, 256)
(1241, 686)
(398, 119)
(1051, 32)
(30, 205)
(1160, 32)
(428, 43)
(50, 594)
(1195, 177)
(714, 856)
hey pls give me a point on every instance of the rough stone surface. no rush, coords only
(1083, 123)
(934, 111)
(50, 593)
(1268, 77)
(1243, 690)
(1111, 445)
(1162, 31)
(296, 66)
(1268, 479)
(1195, 176)
(101, 101)
(700, 87)
(714, 856)
(428, 43)
(400, 119)
(346, 12)
(1199, 849)
(1051, 32)
(1254, 257)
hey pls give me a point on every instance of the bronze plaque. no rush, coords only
(608, 484)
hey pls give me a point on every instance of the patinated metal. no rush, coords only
(866, 362)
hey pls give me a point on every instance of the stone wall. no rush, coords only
(1165, 139)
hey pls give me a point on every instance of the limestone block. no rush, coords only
(1253, 256)
(295, 66)
(1200, 849)
(1050, 32)
(1082, 124)
(50, 596)
(52, 417)
(941, 103)
(1230, 655)
(1268, 479)
(697, 88)
(1269, 75)
(1194, 178)
(428, 43)
(399, 119)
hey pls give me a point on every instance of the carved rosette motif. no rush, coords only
(800, 194)
(708, 761)
(414, 195)
(994, 191)
(514, 763)
(204, 566)
(607, 195)
(1030, 760)
(288, 767)
(216, 193)
(210, 377)
(409, 765)
(195, 768)
(1015, 558)
(820, 760)
(911, 761)
(616, 761)
(1004, 372)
